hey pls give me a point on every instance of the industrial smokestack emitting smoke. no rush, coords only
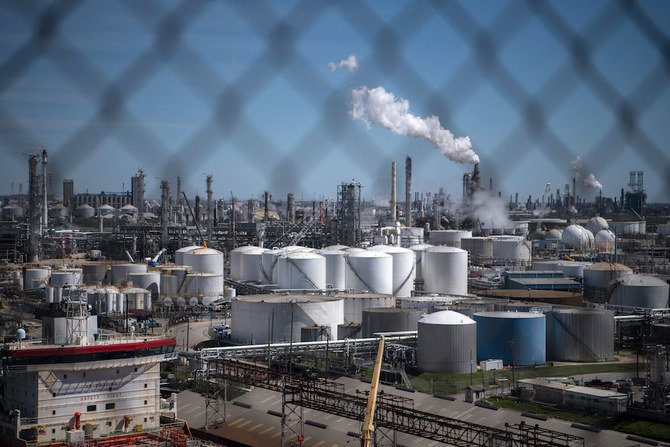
(590, 181)
(350, 64)
(377, 106)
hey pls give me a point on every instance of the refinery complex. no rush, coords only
(175, 320)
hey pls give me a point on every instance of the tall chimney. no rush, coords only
(210, 210)
(45, 209)
(197, 209)
(408, 191)
(165, 194)
(491, 185)
(394, 194)
(290, 208)
(180, 202)
(266, 206)
(574, 190)
(33, 209)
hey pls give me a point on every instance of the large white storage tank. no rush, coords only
(205, 260)
(250, 264)
(254, 315)
(203, 285)
(369, 271)
(419, 250)
(69, 277)
(120, 272)
(404, 268)
(640, 291)
(447, 343)
(269, 262)
(150, 281)
(301, 271)
(235, 260)
(411, 236)
(36, 277)
(173, 281)
(356, 303)
(336, 264)
(450, 238)
(445, 270)
(577, 237)
(179, 254)
(512, 248)
(479, 249)
(389, 319)
(596, 224)
(605, 241)
(598, 276)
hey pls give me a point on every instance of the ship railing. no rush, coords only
(28, 421)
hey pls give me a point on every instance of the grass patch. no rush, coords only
(456, 383)
(646, 429)
(547, 410)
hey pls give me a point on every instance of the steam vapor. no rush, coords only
(590, 181)
(350, 64)
(377, 106)
(490, 210)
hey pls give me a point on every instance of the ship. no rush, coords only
(74, 386)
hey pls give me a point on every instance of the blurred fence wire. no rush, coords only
(282, 34)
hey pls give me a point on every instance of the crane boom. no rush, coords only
(368, 421)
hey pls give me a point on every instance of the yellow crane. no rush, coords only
(368, 421)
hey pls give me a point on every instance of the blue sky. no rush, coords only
(242, 90)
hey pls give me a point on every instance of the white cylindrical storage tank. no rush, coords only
(517, 338)
(389, 319)
(447, 343)
(580, 335)
(450, 238)
(36, 277)
(204, 284)
(235, 260)
(49, 294)
(66, 277)
(301, 271)
(639, 291)
(269, 262)
(573, 269)
(253, 315)
(84, 211)
(598, 276)
(445, 270)
(356, 303)
(150, 281)
(369, 271)
(512, 248)
(110, 301)
(335, 267)
(205, 260)
(168, 285)
(404, 268)
(120, 302)
(179, 253)
(120, 272)
(336, 247)
(411, 236)
(94, 273)
(605, 241)
(577, 237)
(479, 248)
(419, 250)
(250, 264)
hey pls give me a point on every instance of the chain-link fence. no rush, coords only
(182, 41)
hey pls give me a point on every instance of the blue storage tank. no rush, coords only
(517, 338)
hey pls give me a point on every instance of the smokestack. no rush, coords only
(266, 206)
(250, 210)
(33, 210)
(165, 194)
(574, 190)
(516, 198)
(290, 208)
(408, 191)
(45, 209)
(210, 215)
(476, 178)
(197, 208)
(491, 185)
(180, 203)
(394, 194)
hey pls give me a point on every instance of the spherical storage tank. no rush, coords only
(451, 238)
(384, 319)
(301, 270)
(447, 343)
(419, 250)
(120, 272)
(250, 264)
(404, 268)
(445, 270)
(335, 267)
(356, 303)
(605, 240)
(577, 237)
(254, 315)
(369, 271)
(642, 291)
(205, 260)
(596, 224)
(235, 260)
(517, 338)
(580, 335)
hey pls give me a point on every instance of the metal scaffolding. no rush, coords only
(349, 214)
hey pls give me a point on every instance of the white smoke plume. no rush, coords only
(377, 106)
(350, 64)
(591, 182)
(489, 210)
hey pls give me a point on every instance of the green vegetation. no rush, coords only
(456, 383)
(547, 410)
(647, 429)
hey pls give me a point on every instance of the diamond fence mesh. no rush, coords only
(282, 34)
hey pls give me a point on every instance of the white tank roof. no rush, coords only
(389, 249)
(367, 254)
(643, 280)
(448, 317)
(302, 255)
(204, 251)
(445, 249)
